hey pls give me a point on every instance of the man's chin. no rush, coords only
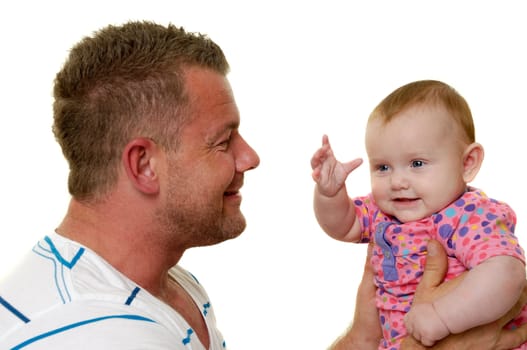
(231, 228)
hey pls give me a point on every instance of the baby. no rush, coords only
(421, 147)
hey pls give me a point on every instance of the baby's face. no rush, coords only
(416, 162)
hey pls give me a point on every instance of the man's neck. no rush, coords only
(131, 247)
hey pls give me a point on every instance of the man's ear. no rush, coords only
(472, 160)
(139, 161)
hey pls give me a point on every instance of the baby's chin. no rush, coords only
(406, 217)
(405, 211)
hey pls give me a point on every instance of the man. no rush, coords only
(149, 126)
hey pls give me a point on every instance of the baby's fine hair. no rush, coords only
(427, 92)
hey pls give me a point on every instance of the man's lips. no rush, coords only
(234, 187)
(232, 196)
(231, 193)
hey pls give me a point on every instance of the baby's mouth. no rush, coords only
(405, 200)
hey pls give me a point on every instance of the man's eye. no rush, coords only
(225, 143)
(417, 163)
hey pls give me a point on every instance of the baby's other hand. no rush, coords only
(423, 323)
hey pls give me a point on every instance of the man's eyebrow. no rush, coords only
(233, 125)
(227, 127)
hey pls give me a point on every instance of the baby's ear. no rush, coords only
(472, 160)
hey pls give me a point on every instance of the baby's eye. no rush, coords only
(417, 163)
(383, 167)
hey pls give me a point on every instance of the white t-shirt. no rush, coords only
(64, 296)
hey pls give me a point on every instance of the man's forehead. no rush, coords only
(206, 80)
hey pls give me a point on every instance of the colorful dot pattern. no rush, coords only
(472, 229)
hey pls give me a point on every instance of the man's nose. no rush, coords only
(246, 156)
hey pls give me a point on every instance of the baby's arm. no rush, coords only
(334, 209)
(488, 291)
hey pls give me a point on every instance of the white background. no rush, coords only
(299, 69)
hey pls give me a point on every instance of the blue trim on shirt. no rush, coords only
(13, 310)
(206, 308)
(55, 272)
(132, 296)
(187, 339)
(78, 324)
(68, 264)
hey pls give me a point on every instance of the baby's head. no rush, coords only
(421, 147)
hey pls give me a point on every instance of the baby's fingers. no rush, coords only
(317, 159)
(316, 174)
(350, 166)
(320, 156)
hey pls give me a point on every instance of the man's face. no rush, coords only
(206, 171)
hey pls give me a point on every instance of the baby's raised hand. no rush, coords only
(328, 172)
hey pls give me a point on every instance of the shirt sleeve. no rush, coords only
(365, 209)
(477, 228)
